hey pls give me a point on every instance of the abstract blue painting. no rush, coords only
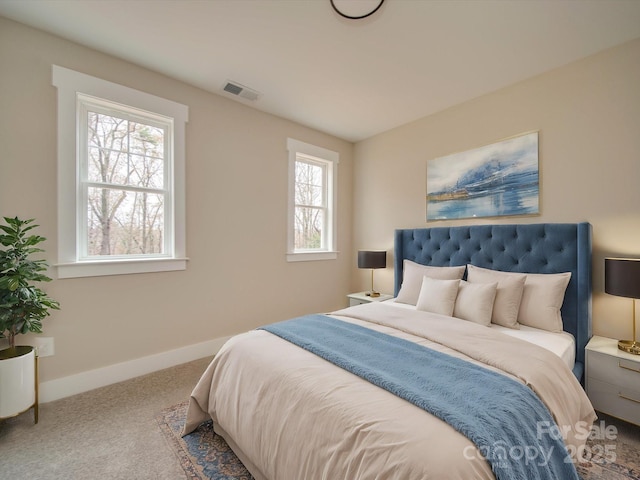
(493, 180)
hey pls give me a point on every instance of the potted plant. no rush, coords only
(23, 306)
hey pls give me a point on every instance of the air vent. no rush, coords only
(239, 90)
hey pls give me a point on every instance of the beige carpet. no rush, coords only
(108, 433)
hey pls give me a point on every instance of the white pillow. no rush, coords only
(438, 296)
(542, 299)
(413, 274)
(508, 294)
(475, 302)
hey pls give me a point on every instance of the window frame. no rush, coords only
(305, 152)
(73, 86)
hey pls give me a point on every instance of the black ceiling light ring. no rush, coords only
(358, 17)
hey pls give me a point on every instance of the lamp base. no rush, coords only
(373, 294)
(629, 346)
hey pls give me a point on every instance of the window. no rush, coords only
(120, 179)
(312, 198)
(123, 168)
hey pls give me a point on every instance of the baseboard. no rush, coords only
(82, 382)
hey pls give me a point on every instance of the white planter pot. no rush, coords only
(18, 381)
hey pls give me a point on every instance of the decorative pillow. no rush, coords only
(542, 299)
(413, 275)
(508, 294)
(475, 302)
(438, 296)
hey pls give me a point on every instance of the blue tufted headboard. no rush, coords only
(526, 248)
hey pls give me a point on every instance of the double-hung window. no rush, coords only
(312, 202)
(121, 179)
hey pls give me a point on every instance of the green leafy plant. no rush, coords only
(23, 306)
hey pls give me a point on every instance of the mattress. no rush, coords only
(562, 344)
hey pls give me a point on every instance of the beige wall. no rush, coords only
(588, 115)
(237, 276)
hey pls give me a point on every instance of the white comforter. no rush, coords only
(291, 415)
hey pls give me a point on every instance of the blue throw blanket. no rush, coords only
(506, 421)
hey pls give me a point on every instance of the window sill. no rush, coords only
(311, 256)
(119, 267)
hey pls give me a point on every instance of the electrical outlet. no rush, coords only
(44, 345)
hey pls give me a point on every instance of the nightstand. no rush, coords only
(362, 297)
(613, 379)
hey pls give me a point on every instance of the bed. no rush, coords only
(292, 405)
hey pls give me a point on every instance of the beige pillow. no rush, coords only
(438, 296)
(475, 302)
(542, 299)
(413, 274)
(508, 294)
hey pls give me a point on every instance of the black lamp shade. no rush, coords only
(372, 259)
(622, 277)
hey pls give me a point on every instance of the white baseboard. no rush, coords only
(82, 382)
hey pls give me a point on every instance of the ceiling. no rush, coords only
(349, 78)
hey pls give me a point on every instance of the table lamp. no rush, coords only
(372, 259)
(622, 278)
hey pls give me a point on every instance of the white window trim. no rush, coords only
(331, 253)
(69, 83)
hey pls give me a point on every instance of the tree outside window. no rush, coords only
(125, 186)
(310, 212)
(312, 222)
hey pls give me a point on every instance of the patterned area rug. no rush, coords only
(613, 452)
(202, 454)
(613, 455)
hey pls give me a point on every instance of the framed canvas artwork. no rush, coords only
(494, 180)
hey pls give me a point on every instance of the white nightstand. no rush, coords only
(613, 379)
(362, 297)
